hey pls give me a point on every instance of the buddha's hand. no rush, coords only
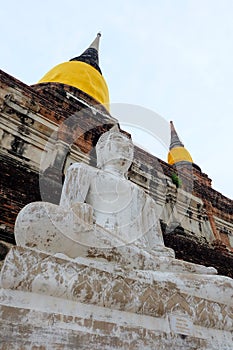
(82, 216)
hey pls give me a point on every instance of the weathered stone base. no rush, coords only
(50, 302)
(32, 321)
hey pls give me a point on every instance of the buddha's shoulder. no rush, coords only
(81, 167)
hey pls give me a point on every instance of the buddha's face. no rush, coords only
(115, 150)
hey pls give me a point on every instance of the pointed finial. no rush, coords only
(177, 153)
(95, 42)
(91, 54)
(115, 128)
(175, 141)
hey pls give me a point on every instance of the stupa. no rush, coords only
(93, 270)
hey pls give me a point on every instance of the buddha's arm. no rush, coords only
(76, 185)
(150, 227)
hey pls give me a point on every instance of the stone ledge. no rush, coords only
(51, 323)
(201, 298)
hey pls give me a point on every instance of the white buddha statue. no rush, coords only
(99, 208)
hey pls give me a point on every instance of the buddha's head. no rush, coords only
(114, 149)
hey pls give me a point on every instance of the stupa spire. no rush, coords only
(83, 73)
(178, 152)
(91, 54)
(95, 43)
(175, 140)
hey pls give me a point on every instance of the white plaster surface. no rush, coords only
(98, 208)
(47, 321)
(93, 272)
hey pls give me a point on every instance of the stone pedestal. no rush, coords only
(53, 302)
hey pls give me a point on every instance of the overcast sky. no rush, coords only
(173, 57)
